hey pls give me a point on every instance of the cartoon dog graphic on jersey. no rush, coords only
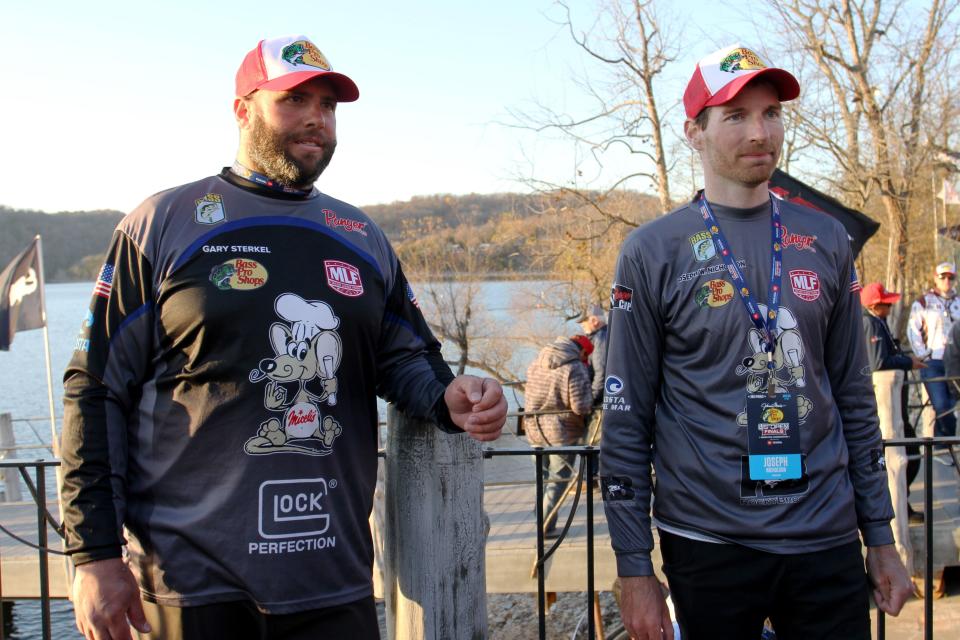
(307, 346)
(788, 371)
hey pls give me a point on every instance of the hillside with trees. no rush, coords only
(73, 241)
(437, 236)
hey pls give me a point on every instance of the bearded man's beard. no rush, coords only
(268, 151)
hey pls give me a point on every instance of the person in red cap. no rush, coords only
(735, 370)
(220, 427)
(558, 380)
(889, 364)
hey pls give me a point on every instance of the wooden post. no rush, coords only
(11, 477)
(434, 552)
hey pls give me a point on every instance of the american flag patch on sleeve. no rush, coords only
(412, 296)
(854, 280)
(104, 282)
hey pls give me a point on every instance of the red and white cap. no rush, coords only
(720, 76)
(282, 63)
(875, 293)
(946, 267)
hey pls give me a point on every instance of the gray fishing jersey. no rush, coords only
(220, 408)
(683, 356)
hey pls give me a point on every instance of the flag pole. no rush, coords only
(54, 439)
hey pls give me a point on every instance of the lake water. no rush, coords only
(506, 308)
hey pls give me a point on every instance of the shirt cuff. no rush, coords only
(441, 415)
(634, 564)
(877, 534)
(97, 553)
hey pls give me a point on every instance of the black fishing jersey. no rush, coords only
(220, 410)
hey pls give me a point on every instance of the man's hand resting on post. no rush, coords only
(477, 406)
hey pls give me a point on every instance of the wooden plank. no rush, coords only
(434, 533)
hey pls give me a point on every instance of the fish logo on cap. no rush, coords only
(304, 52)
(741, 60)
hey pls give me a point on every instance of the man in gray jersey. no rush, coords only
(220, 407)
(736, 367)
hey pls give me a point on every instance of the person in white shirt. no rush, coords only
(931, 317)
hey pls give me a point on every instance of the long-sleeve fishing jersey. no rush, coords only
(220, 408)
(682, 357)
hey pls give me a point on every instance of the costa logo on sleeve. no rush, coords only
(613, 385)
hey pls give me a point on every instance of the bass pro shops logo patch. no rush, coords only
(303, 52)
(209, 209)
(714, 293)
(741, 59)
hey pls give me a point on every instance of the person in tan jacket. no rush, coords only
(558, 380)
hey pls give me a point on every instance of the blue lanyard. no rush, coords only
(259, 178)
(766, 325)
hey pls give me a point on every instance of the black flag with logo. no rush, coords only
(20, 303)
(860, 227)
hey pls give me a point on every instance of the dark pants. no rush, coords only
(726, 591)
(940, 398)
(242, 621)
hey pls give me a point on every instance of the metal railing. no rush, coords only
(588, 473)
(589, 465)
(38, 489)
(928, 445)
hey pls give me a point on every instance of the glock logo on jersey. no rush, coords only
(344, 278)
(294, 508)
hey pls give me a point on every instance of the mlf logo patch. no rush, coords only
(621, 297)
(714, 293)
(239, 274)
(702, 246)
(209, 209)
(805, 283)
(343, 278)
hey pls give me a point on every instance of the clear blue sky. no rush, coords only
(107, 102)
